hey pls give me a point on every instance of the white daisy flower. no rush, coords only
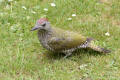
(107, 34)
(28, 17)
(83, 66)
(24, 7)
(69, 19)
(12, 28)
(33, 12)
(45, 9)
(8, 23)
(7, 6)
(21, 35)
(52, 4)
(73, 15)
(10, 0)
(20, 39)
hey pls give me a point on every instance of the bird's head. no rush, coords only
(41, 24)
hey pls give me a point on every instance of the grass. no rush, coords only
(23, 58)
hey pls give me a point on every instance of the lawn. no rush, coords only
(23, 58)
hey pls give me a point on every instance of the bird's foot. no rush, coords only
(67, 55)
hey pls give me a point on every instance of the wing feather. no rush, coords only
(65, 40)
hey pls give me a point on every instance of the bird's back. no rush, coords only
(65, 40)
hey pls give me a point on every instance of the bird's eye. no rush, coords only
(43, 25)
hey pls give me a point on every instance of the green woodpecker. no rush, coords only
(59, 40)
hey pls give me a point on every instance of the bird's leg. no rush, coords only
(67, 54)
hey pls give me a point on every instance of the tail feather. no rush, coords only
(105, 50)
(93, 46)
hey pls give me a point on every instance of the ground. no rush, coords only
(23, 58)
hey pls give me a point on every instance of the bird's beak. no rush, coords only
(35, 28)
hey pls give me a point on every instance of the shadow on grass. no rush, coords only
(78, 53)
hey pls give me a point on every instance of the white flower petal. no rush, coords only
(7, 6)
(107, 34)
(28, 17)
(53, 4)
(20, 39)
(12, 28)
(21, 34)
(45, 9)
(73, 15)
(8, 23)
(69, 19)
(33, 12)
(24, 7)
(10, 0)
(83, 66)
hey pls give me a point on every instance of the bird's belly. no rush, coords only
(64, 50)
(44, 44)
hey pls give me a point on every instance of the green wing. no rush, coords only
(62, 40)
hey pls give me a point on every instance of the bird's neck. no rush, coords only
(45, 31)
(44, 34)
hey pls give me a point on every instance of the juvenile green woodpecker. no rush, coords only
(59, 40)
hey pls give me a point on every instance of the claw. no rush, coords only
(67, 55)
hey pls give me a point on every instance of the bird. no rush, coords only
(63, 41)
